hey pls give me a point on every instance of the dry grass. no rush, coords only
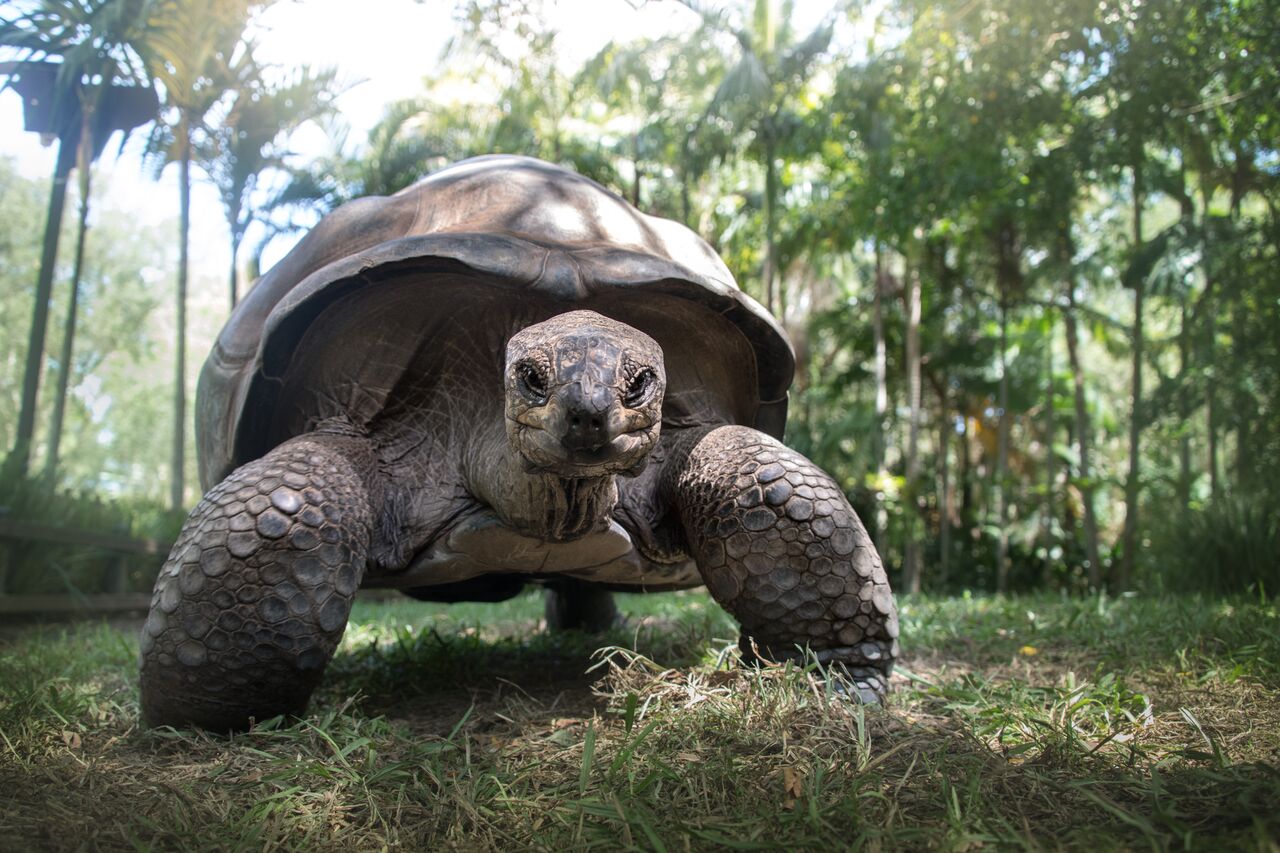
(1036, 723)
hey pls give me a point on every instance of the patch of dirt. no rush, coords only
(501, 704)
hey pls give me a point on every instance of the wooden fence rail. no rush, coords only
(117, 600)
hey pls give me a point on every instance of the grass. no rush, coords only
(1039, 723)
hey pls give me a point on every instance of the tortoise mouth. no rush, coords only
(542, 452)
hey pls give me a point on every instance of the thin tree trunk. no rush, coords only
(20, 457)
(1091, 549)
(966, 476)
(944, 489)
(635, 163)
(1132, 483)
(772, 302)
(1002, 453)
(911, 569)
(178, 459)
(1184, 412)
(1243, 409)
(1211, 345)
(1050, 468)
(1211, 427)
(686, 204)
(73, 303)
(235, 272)
(882, 394)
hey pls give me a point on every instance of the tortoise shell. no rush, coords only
(522, 235)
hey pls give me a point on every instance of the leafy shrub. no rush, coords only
(1230, 546)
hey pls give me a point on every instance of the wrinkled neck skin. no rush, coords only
(543, 506)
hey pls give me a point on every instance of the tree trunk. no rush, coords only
(1211, 427)
(1184, 413)
(1132, 483)
(20, 457)
(1050, 468)
(911, 569)
(235, 272)
(882, 396)
(1211, 345)
(686, 204)
(178, 459)
(635, 163)
(1243, 407)
(1002, 453)
(772, 302)
(73, 303)
(966, 476)
(1086, 484)
(944, 489)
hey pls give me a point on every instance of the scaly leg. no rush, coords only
(781, 549)
(254, 597)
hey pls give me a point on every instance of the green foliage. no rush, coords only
(248, 140)
(118, 382)
(1228, 545)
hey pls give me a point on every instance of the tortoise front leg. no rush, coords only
(780, 548)
(254, 597)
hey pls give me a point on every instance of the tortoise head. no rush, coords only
(583, 395)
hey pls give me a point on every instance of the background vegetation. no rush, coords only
(1027, 251)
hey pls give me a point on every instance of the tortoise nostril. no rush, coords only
(585, 431)
(584, 416)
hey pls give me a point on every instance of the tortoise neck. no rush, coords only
(545, 506)
(554, 508)
(572, 508)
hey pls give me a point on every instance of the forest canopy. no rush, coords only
(1026, 251)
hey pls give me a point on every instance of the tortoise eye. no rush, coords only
(530, 381)
(638, 389)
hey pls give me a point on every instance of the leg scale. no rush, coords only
(255, 594)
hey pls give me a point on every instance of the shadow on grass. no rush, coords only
(422, 660)
(1025, 723)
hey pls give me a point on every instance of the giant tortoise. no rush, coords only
(502, 375)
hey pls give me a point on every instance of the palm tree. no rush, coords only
(536, 98)
(756, 94)
(37, 90)
(248, 141)
(123, 109)
(197, 56)
(95, 87)
(654, 89)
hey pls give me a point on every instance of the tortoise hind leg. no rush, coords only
(781, 549)
(574, 604)
(255, 595)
